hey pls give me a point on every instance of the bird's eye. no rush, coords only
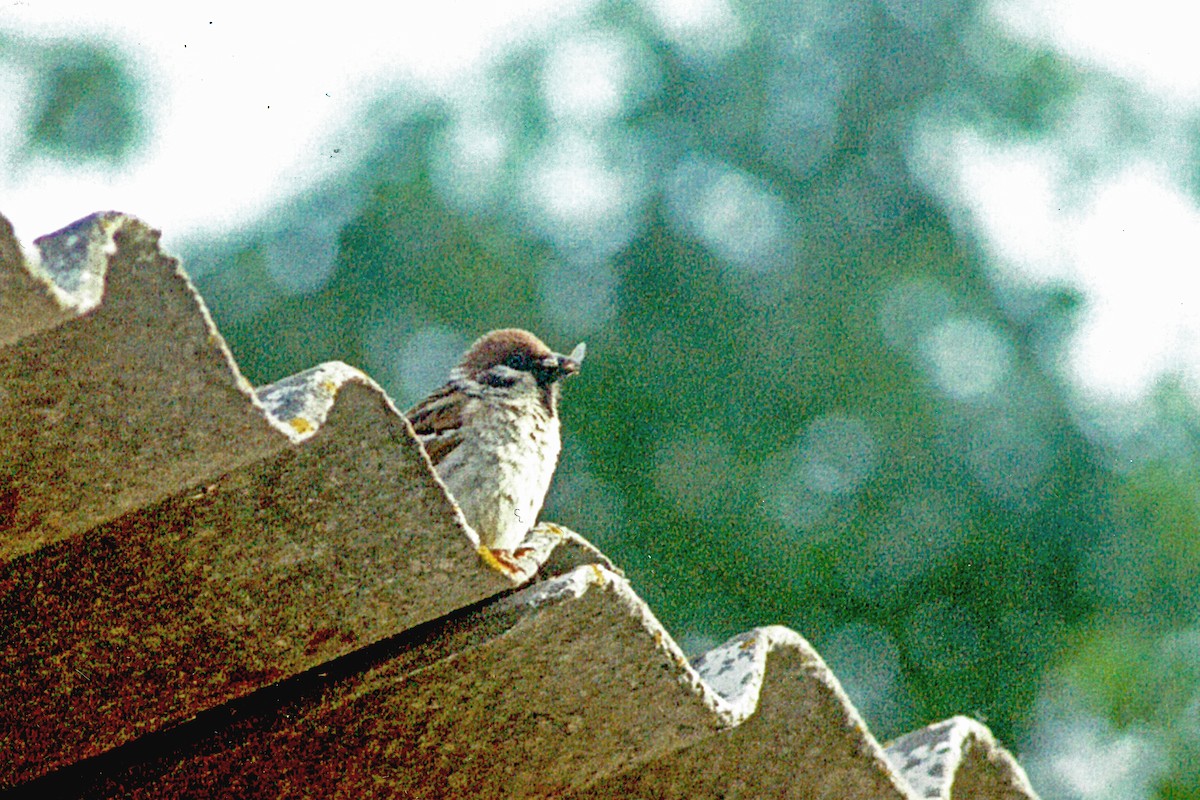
(518, 361)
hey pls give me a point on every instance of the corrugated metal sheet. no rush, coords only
(211, 590)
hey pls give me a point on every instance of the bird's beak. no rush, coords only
(569, 365)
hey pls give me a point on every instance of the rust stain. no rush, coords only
(323, 635)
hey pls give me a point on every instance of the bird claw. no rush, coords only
(505, 561)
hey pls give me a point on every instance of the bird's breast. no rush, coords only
(500, 473)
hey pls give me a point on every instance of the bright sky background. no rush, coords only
(248, 100)
(248, 105)
(1130, 240)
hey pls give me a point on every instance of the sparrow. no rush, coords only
(492, 434)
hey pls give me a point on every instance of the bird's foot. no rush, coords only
(506, 561)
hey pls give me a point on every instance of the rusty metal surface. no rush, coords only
(800, 738)
(208, 595)
(551, 688)
(219, 581)
(959, 757)
(123, 405)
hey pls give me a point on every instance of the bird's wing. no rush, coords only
(437, 421)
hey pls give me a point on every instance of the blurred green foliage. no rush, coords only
(87, 106)
(805, 400)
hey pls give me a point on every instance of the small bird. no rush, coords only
(492, 433)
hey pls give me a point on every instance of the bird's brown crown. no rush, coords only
(496, 347)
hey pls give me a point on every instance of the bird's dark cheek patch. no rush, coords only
(497, 380)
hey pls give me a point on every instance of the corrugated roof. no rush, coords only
(212, 590)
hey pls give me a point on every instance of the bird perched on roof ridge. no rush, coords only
(492, 434)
